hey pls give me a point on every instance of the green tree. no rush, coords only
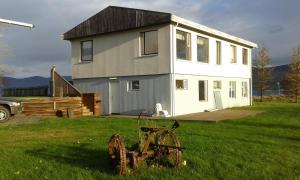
(262, 70)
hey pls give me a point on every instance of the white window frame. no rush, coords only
(130, 86)
(220, 83)
(184, 82)
(206, 60)
(232, 89)
(233, 55)
(81, 51)
(188, 45)
(244, 89)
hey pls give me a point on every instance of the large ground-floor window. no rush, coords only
(244, 89)
(202, 90)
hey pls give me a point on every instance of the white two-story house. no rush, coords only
(137, 58)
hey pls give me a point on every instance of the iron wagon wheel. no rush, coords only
(170, 156)
(117, 153)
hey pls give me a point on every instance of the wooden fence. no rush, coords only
(52, 106)
(26, 91)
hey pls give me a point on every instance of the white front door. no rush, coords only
(114, 97)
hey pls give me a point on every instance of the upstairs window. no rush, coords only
(202, 85)
(232, 89)
(182, 84)
(244, 89)
(202, 49)
(232, 54)
(149, 42)
(86, 50)
(133, 85)
(183, 43)
(245, 56)
(218, 52)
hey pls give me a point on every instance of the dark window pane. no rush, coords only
(202, 49)
(183, 45)
(218, 52)
(87, 51)
(201, 90)
(245, 56)
(233, 54)
(135, 85)
(149, 42)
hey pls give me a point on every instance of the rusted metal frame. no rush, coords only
(149, 139)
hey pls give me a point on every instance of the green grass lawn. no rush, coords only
(266, 146)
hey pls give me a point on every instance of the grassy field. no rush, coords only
(266, 146)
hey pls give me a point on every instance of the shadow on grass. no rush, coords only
(76, 155)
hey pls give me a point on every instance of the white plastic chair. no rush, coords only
(160, 112)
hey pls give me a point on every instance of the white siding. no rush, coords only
(187, 101)
(153, 89)
(226, 69)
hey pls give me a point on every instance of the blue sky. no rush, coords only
(274, 24)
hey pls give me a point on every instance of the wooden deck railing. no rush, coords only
(59, 87)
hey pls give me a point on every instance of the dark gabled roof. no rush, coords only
(114, 19)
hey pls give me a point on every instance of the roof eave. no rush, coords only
(212, 31)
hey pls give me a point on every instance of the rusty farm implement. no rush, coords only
(161, 145)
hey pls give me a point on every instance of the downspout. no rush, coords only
(171, 72)
(172, 68)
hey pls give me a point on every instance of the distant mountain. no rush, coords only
(11, 82)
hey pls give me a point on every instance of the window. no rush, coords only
(217, 85)
(245, 56)
(182, 84)
(233, 54)
(149, 42)
(218, 52)
(232, 89)
(86, 50)
(183, 42)
(244, 89)
(133, 85)
(202, 49)
(202, 90)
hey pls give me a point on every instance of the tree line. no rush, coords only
(263, 72)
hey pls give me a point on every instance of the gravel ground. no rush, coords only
(22, 119)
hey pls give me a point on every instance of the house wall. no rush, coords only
(153, 89)
(118, 54)
(187, 101)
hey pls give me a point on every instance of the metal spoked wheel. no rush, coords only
(170, 156)
(117, 153)
(4, 114)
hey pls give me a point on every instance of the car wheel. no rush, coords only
(4, 114)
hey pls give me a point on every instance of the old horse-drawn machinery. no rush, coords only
(161, 145)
